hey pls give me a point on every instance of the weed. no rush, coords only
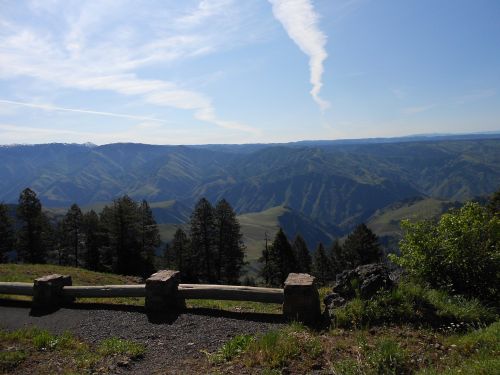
(114, 346)
(231, 349)
(11, 359)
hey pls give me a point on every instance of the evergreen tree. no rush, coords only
(228, 244)
(362, 247)
(150, 238)
(202, 230)
(59, 253)
(302, 254)
(281, 260)
(92, 238)
(180, 256)
(72, 232)
(121, 224)
(337, 258)
(265, 271)
(321, 267)
(7, 235)
(32, 236)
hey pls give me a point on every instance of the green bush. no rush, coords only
(461, 253)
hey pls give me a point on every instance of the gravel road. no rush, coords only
(174, 344)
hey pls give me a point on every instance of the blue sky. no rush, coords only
(241, 71)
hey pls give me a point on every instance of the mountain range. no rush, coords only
(320, 188)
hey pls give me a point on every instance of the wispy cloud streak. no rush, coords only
(301, 24)
(76, 110)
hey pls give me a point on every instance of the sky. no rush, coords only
(246, 71)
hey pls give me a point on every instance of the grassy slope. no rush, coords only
(386, 222)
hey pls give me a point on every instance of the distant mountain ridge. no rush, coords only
(329, 184)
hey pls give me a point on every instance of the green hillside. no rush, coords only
(385, 222)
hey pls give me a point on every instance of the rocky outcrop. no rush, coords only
(365, 281)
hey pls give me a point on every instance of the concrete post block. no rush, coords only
(162, 291)
(301, 299)
(48, 291)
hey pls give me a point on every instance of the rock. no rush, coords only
(334, 300)
(365, 280)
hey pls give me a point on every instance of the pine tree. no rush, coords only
(180, 256)
(7, 235)
(362, 247)
(281, 260)
(228, 244)
(92, 239)
(322, 269)
(337, 258)
(122, 227)
(150, 238)
(302, 254)
(202, 231)
(72, 231)
(32, 236)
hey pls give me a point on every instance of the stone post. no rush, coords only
(162, 291)
(48, 291)
(301, 299)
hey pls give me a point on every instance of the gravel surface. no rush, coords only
(174, 344)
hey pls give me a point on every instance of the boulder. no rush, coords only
(365, 281)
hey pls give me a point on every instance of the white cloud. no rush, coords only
(301, 24)
(104, 60)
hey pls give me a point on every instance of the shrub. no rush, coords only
(461, 253)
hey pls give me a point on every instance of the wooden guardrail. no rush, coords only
(162, 291)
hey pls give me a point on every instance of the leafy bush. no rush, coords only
(461, 253)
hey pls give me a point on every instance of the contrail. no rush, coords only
(76, 110)
(301, 24)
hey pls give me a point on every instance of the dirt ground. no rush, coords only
(175, 344)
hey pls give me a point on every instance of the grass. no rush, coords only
(412, 303)
(115, 346)
(230, 349)
(396, 350)
(28, 272)
(38, 351)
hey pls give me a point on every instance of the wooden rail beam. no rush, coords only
(230, 292)
(103, 291)
(21, 289)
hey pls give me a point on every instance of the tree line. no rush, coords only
(123, 238)
(282, 257)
